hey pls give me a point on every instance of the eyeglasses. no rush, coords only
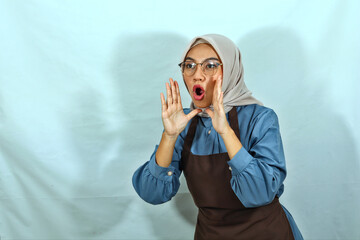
(209, 67)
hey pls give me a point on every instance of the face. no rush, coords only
(200, 85)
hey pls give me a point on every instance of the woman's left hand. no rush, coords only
(218, 116)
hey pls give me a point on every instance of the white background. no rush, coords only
(80, 85)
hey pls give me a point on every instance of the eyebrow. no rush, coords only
(211, 58)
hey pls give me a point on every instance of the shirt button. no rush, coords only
(230, 169)
(170, 173)
(209, 131)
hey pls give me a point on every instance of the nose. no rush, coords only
(199, 74)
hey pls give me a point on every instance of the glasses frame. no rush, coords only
(201, 64)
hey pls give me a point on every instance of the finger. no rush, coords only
(218, 83)
(193, 113)
(209, 112)
(168, 94)
(173, 90)
(217, 89)
(163, 104)
(219, 107)
(215, 94)
(178, 93)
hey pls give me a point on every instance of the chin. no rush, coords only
(200, 104)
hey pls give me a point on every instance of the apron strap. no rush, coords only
(234, 123)
(189, 137)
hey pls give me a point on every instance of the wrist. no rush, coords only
(232, 142)
(227, 130)
(170, 137)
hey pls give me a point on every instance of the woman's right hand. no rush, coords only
(173, 117)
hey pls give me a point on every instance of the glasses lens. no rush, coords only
(210, 67)
(188, 68)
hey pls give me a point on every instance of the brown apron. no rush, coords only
(221, 214)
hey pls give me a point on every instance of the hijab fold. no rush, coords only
(235, 91)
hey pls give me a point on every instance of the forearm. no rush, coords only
(154, 184)
(232, 143)
(165, 150)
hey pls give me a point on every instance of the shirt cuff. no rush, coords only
(159, 172)
(240, 161)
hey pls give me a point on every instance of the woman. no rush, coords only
(228, 146)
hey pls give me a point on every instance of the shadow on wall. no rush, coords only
(96, 208)
(322, 162)
(144, 62)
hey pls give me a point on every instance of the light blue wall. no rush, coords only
(80, 85)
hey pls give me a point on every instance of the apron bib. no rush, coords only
(221, 214)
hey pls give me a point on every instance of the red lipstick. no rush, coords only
(198, 92)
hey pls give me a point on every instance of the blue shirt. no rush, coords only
(258, 168)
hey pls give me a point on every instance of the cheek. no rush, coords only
(186, 81)
(211, 84)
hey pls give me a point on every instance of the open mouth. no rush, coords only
(198, 92)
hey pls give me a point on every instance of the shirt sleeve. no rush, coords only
(259, 171)
(156, 184)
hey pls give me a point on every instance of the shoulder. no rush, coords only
(255, 122)
(186, 110)
(257, 115)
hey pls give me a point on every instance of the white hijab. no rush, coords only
(233, 85)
